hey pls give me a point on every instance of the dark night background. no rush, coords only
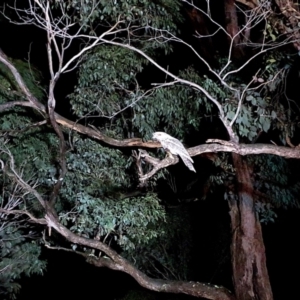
(69, 276)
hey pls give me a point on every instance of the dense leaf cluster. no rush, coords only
(137, 13)
(19, 255)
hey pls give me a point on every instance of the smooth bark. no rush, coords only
(250, 275)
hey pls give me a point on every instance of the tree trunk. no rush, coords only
(232, 27)
(250, 275)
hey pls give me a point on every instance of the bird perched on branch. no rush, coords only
(175, 147)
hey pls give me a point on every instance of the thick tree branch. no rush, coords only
(230, 147)
(245, 149)
(62, 144)
(11, 104)
(196, 289)
(215, 146)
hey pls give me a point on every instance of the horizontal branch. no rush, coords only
(23, 212)
(11, 104)
(245, 149)
(98, 135)
(221, 146)
(212, 146)
(218, 146)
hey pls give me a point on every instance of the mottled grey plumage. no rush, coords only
(175, 147)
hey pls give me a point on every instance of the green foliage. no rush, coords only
(265, 212)
(127, 221)
(19, 255)
(175, 109)
(158, 14)
(96, 199)
(273, 177)
(19, 249)
(95, 169)
(108, 87)
(284, 111)
(276, 185)
(106, 82)
(9, 89)
(95, 189)
(168, 254)
(30, 160)
(28, 145)
(262, 108)
(256, 114)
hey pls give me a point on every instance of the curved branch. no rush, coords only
(196, 289)
(34, 103)
(19, 80)
(117, 262)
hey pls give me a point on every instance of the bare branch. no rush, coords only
(11, 104)
(23, 212)
(19, 80)
(12, 172)
(241, 99)
(215, 145)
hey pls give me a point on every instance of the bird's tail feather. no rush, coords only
(186, 156)
(188, 163)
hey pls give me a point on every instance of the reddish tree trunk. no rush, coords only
(250, 275)
(199, 24)
(232, 27)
